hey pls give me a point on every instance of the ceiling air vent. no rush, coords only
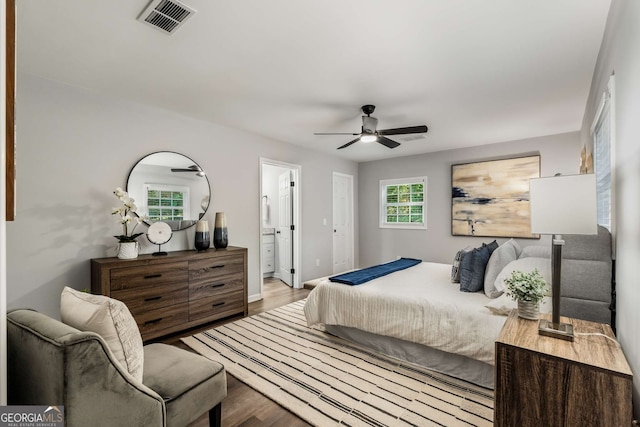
(166, 15)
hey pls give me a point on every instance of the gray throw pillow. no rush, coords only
(502, 256)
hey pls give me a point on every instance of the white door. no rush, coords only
(284, 232)
(342, 222)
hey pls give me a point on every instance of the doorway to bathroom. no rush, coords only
(280, 223)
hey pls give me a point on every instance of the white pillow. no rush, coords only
(502, 256)
(536, 251)
(504, 304)
(525, 265)
(108, 318)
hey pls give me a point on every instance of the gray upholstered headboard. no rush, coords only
(587, 277)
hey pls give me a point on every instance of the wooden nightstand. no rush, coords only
(544, 381)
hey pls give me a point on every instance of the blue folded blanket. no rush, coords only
(361, 276)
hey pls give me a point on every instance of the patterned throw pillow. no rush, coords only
(455, 269)
(108, 318)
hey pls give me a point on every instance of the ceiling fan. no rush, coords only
(193, 168)
(369, 132)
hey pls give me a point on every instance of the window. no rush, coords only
(167, 202)
(403, 203)
(602, 133)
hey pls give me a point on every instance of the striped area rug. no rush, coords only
(328, 381)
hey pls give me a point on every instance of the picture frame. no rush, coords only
(491, 198)
(10, 148)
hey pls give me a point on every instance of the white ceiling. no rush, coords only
(475, 72)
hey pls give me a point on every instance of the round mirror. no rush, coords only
(169, 187)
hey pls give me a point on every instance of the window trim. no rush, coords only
(382, 215)
(607, 107)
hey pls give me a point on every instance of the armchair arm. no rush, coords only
(51, 363)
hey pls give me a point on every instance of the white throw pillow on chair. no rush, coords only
(109, 318)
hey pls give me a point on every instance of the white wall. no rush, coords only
(75, 147)
(620, 54)
(559, 153)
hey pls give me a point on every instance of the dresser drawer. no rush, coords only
(150, 275)
(216, 286)
(206, 271)
(151, 322)
(217, 306)
(140, 300)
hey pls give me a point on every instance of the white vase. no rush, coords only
(528, 310)
(128, 250)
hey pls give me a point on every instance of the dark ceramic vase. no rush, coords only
(220, 236)
(203, 239)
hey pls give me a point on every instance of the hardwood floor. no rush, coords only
(244, 406)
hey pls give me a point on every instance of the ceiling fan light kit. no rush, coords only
(369, 132)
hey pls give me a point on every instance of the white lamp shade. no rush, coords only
(564, 204)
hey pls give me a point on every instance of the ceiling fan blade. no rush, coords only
(334, 133)
(403, 131)
(182, 170)
(349, 143)
(387, 142)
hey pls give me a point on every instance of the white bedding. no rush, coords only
(418, 304)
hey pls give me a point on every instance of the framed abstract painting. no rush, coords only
(491, 198)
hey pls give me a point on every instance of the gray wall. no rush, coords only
(620, 54)
(559, 153)
(75, 147)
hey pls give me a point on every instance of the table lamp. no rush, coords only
(562, 204)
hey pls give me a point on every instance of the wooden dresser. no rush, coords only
(167, 294)
(543, 381)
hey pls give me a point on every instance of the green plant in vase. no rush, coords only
(528, 289)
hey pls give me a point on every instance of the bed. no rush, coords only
(419, 315)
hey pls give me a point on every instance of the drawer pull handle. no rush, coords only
(219, 285)
(218, 304)
(153, 298)
(217, 266)
(152, 276)
(149, 322)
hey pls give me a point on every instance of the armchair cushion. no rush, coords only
(108, 318)
(185, 381)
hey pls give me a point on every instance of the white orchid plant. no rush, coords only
(127, 213)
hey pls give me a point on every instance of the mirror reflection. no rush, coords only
(169, 187)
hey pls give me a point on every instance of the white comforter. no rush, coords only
(418, 304)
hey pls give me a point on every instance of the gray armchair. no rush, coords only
(50, 363)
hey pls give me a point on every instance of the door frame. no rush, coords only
(297, 218)
(351, 237)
